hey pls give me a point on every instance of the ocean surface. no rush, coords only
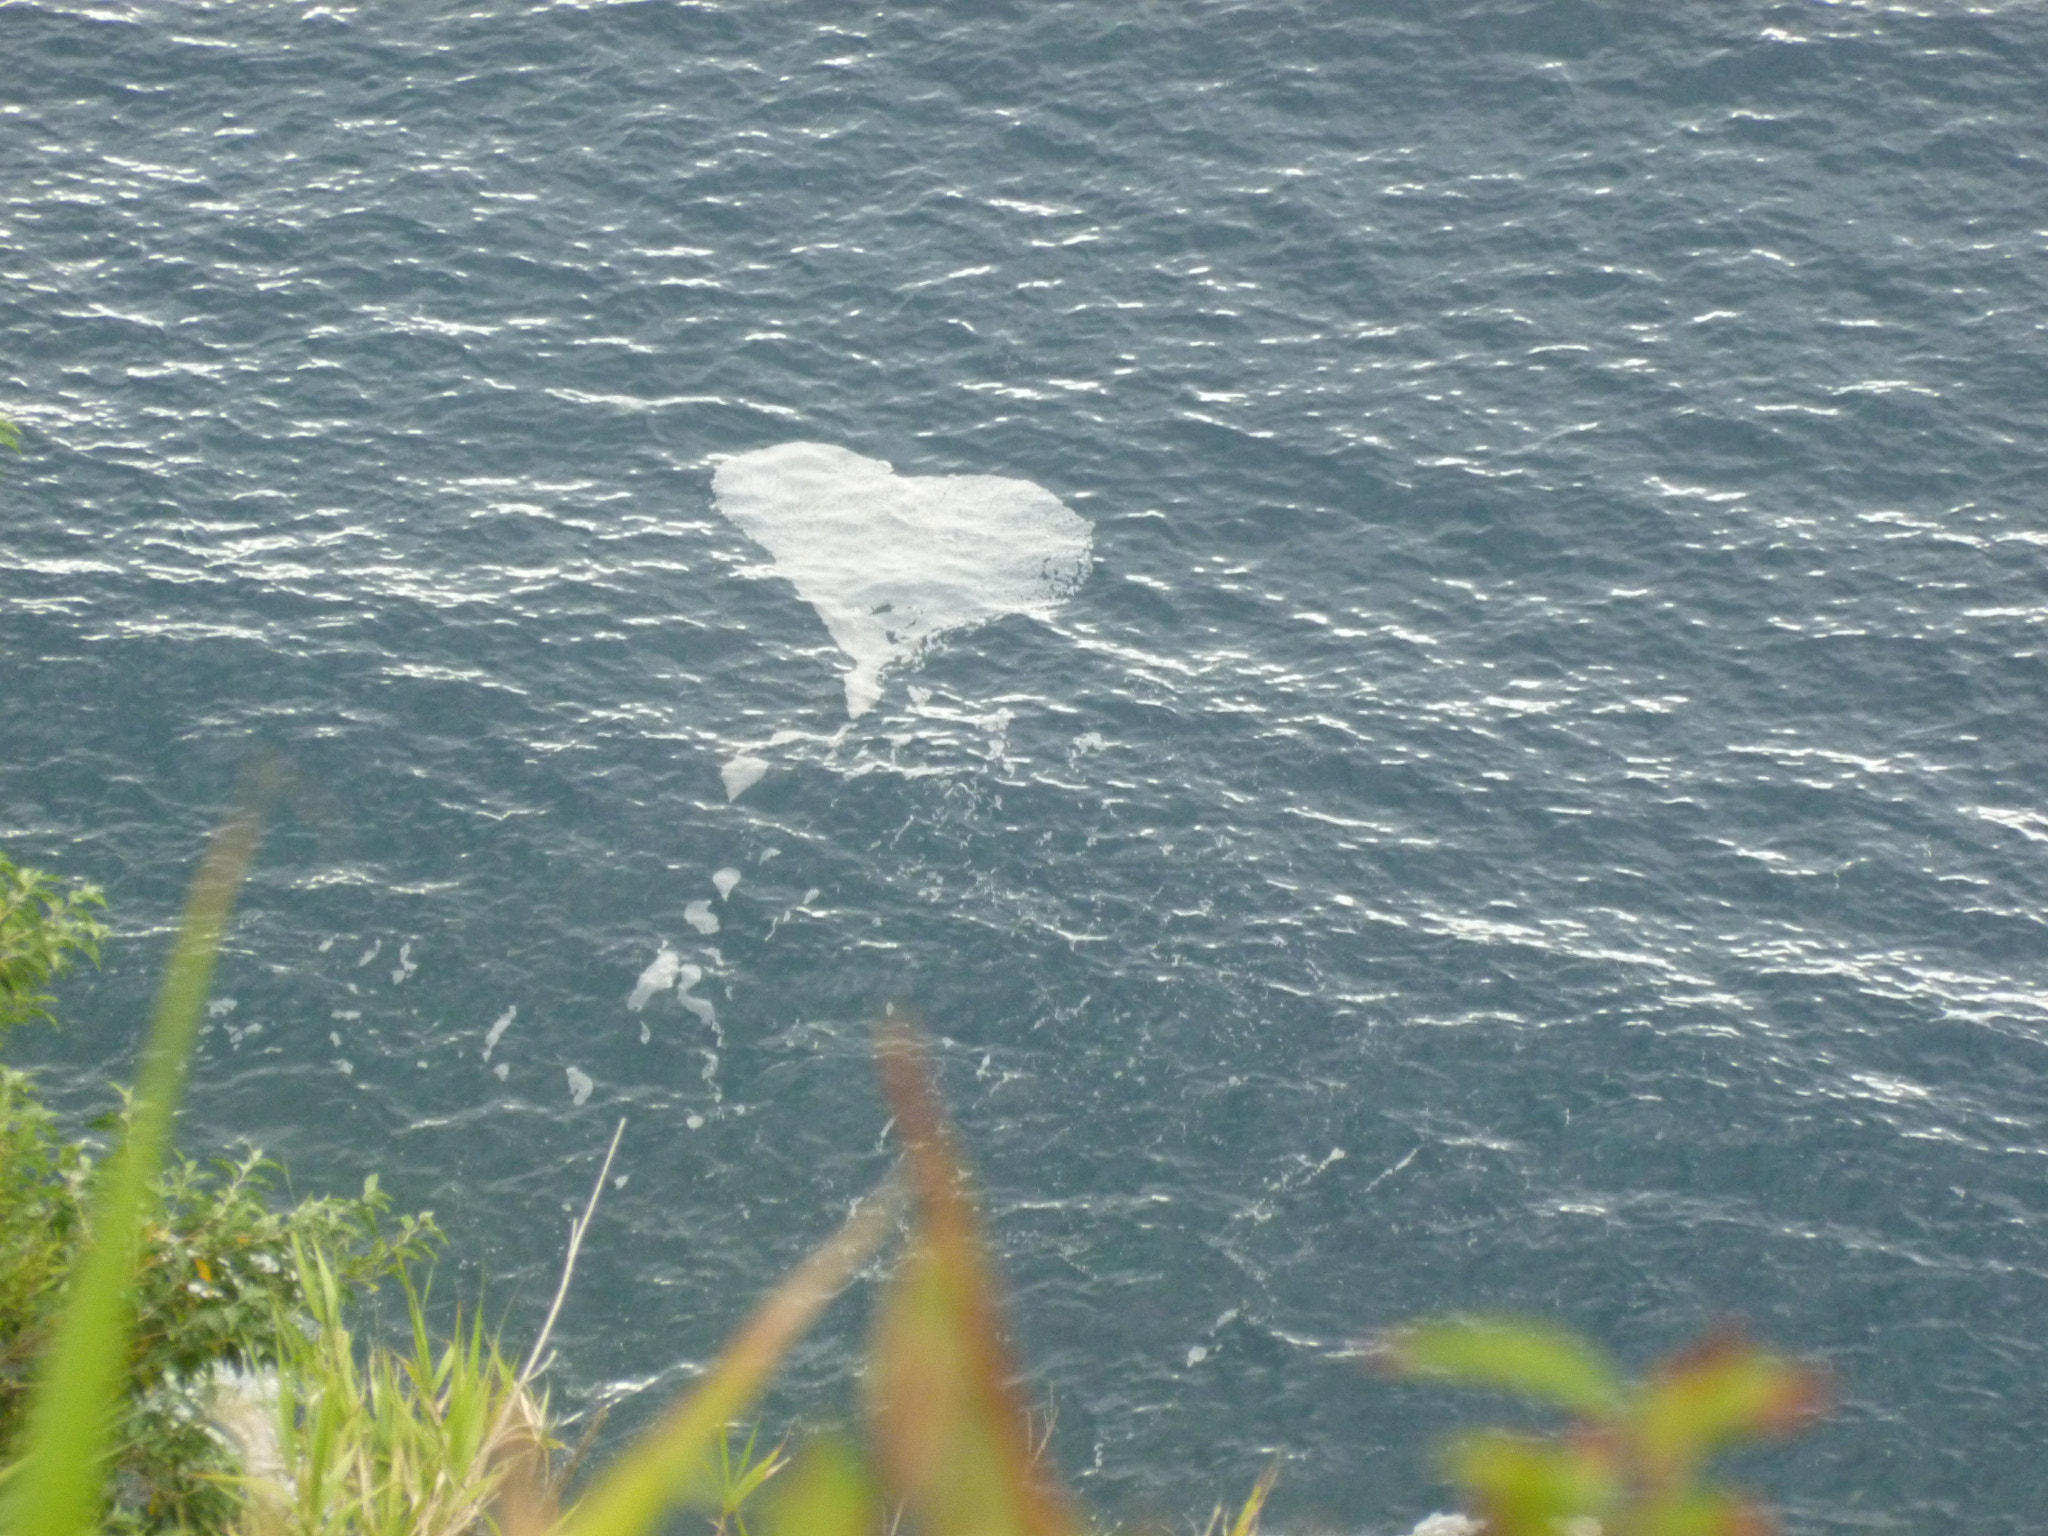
(1415, 630)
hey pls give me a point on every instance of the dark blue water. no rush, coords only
(1540, 802)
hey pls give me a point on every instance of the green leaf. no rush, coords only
(1529, 1487)
(1532, 1358)
(1722, 1390)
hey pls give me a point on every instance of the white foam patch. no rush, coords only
(659, 976)
(1460, 1525)
(406, 964)
(742, 774)
(579, 1086)
(891, 562)
(698, 915)
(725, 882)
(497, 1031)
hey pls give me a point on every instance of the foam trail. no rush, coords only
(891, 562)
(497, 1031)
(690, 976)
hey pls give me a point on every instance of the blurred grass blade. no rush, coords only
(637, 1489)
(826, 1493)
(950, 1427)
(58, 1487)
(1511, 1354)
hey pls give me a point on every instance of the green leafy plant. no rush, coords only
(1634, 1460)
(388, 1442)
(45, 927)
(57, 1488)
(130, 1284)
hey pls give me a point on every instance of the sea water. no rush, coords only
(1415, 631)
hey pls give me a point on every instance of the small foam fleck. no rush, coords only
(724, 881)
(370, 954)
(694, 1122)
(579, 1086)
(1450, 1525)
(502, 1071)
(698, 915)
(497, 1031)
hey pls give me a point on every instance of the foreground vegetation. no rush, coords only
(175, 1355)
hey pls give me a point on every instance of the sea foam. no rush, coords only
(891, 562)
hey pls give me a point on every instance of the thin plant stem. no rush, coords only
(577, 1228)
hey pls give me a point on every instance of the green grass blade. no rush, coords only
(59, 1486)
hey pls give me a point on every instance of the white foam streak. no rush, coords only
(701, 1007)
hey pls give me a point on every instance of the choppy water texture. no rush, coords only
(1537, 803)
